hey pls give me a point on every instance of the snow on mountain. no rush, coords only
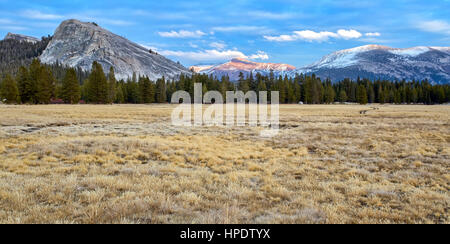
(238, 65)
(200, 68)
(442, 49)
(374, 61)
(78, 44)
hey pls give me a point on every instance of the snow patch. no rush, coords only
(413, 52)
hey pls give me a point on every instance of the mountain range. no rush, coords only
(78, 44)
(371, 61)
(381, 62)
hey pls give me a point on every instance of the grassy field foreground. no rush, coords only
(128, 164)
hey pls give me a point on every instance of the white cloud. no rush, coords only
(372, 34)
(309, 35)
(314, 36)
(35, 14)
(193, 45)
(213, 55)
(93, 16)
(282, 38)
(182, 34)
(349, 34)
(6, 21)
(9, 25)
(13, 28)
(260, 55)
(218, 45)
(270, 15)
(116, 22)
(205, 55)
(243, 28)
(148, 47)
(436, 26)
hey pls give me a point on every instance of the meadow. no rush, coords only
(128, 164)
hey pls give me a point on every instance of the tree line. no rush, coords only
(15, 53)
(44, 84)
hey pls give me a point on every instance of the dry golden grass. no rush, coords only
(128, 164)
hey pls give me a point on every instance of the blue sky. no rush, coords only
(282, 31)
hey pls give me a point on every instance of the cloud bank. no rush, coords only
(213, 55)
(312, 36)
(182, 34)
(435, 26)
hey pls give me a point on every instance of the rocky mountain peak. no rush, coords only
(79, 44)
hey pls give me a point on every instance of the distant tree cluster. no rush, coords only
(38, 84)
(15, 53)
(310, 89)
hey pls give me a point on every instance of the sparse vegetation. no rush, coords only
(128, 164)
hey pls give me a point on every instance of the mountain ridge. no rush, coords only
(237, 65)
(20, 37)
(375, 61)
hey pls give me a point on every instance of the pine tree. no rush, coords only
(224, 86)
(97, 87)
(316, 90)
(171, 89)
(120, 97)
(146, 90)
(31, 88)
(161, 90)
(343, 96)
(134, 79)
(9, 91)
(414, 95)
(23, 83)
(45, 86)
(243, 83)
(261, 86)
(308, 90)
(290, 91)
(70, 91)
(112, 86)
(361, 95)
(297, 92)
(133, 94)
(329, 94)
(84, 91)
(371, 94)
(252, 82)
(282, 89)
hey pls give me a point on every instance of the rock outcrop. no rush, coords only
(20, 37)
